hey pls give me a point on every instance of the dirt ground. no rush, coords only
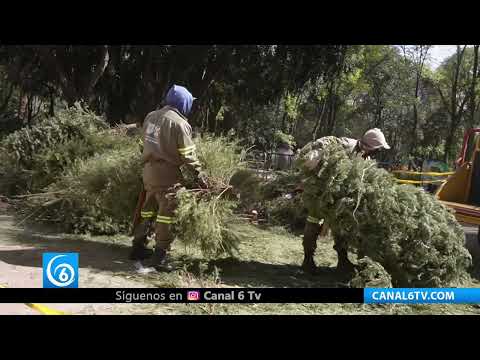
(270, 260)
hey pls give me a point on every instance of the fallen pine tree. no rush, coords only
(406, 230)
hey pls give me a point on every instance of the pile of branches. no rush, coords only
(406, 230)
(277, 200)
(32, 157)
(95, 195)
(98, 195)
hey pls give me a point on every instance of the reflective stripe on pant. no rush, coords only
(314, 220)
(157, 211)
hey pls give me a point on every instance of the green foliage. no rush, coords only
(69, 124)
(221, 113)
(220, 157)
(283, 205)
(247, 186)
(94, 195)
(434, 151)
(32, 157)
(286, 210)
(369, 273)
(49, 164)
(98, 195)
(9, 123)
(301, 91)
(206, 223)
(291, 106)
(283, 183)
(205, 219)
(410, 233)
(282, 138)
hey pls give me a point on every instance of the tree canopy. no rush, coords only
(257, 91)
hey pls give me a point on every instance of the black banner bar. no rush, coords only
(182, 295)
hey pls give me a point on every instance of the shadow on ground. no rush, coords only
(92, 254)
(235, 272)
(28, 247)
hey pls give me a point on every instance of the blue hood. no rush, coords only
(180, 98)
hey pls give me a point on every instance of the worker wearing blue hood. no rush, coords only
(167, 145)
(180, 98)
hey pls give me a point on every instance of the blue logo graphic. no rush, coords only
(60, 270)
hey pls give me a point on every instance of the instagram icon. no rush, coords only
(193, 296)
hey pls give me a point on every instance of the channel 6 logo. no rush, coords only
(60, 270)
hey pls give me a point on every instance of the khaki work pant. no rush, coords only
(157, 212)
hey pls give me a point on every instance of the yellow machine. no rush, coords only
(461, 191)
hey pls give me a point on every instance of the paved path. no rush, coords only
(21, 266)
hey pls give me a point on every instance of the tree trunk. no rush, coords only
(333, 118)
(23, 109)
(319, 120)
(413, 138)
(97, 73)
(68, 82)
(455, 112)
(284, 117)
(36, 111)
(29, 109)
(216, 68)
(473, 87)
(420, 54)
(331, 111)
(448, 146)
(51, 108)
(378, 116)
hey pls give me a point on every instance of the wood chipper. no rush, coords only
(461, 191)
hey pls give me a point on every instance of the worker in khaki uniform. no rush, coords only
(167, 145)
(371, 142)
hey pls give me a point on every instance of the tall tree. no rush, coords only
(452, 91)
(473, 89)
(416, 56)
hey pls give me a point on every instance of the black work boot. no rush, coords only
(308, 265)
(140, 253)
(139, 250)
(344, 265)
(160, 261)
